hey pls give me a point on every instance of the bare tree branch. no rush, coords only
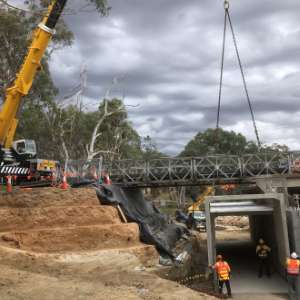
(91, 152)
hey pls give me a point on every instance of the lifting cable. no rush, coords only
(227, 18)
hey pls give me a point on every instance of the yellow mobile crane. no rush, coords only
(19, 157)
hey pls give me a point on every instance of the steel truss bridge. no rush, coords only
(211, 169)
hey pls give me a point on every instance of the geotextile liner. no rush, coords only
(154, 226)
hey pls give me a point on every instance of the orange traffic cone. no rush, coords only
(64, 185)
(8, 184)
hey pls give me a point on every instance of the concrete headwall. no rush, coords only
(294, 229)
(268, 220)
(293, 217)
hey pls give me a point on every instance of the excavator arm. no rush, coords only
(27, 73)
(209, 190)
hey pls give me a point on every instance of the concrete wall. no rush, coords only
(262, 226)
(272, 227)
(294, 229)
(293, 217)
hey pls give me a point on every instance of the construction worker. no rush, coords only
(293, 271)
(223, 271)
(263, 253)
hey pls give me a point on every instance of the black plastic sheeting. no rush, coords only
(82, 183)
(154, 226)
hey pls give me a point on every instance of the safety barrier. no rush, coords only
(76, 170)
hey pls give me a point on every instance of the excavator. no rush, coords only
(209, 190)
(19, 158)
(196, 216)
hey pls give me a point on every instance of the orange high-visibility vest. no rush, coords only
(293, 266)
(223, 270)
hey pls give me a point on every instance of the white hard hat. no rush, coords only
(294, 255)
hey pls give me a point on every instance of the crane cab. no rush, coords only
(25, 148)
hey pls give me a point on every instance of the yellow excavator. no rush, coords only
(196, 216)
(209, 190)
(19, 158)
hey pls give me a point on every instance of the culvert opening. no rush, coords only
(267, 219)
(237, 244)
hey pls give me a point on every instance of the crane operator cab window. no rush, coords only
(25, 147)
(21, 147)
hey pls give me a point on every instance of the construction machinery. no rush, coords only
(196, 206)
(19, 158)
(197, 218)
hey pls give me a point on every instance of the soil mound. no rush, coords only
(50, 220)
(44, 197)
(74, 239)
(56, 216)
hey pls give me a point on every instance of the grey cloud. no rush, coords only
(169, 51)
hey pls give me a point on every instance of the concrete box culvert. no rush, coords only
(267, 216)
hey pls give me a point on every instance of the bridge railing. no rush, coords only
(271, 163)
(207, 168)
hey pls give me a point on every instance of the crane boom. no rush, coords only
(18, 158)
(26, 75)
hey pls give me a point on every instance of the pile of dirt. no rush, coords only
(105, 275)
(74, 239)
(241, 222)
(58, 245)
(48, 197)
(54, 216)
(51, 220)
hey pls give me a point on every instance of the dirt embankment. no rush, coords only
(53, 220)
(61, 245)
(46, 197)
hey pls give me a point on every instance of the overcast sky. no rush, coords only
(169, 52)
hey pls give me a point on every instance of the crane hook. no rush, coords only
(226, 4)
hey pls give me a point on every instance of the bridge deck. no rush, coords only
(218, 169)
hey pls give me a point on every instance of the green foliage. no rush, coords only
(12, 47)
(150, 149)
(33, 125)
(15, 34)
(16, 28)
(102, 6)
(212, 141)
(117, 134)
(276, 148)
(117, 137)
